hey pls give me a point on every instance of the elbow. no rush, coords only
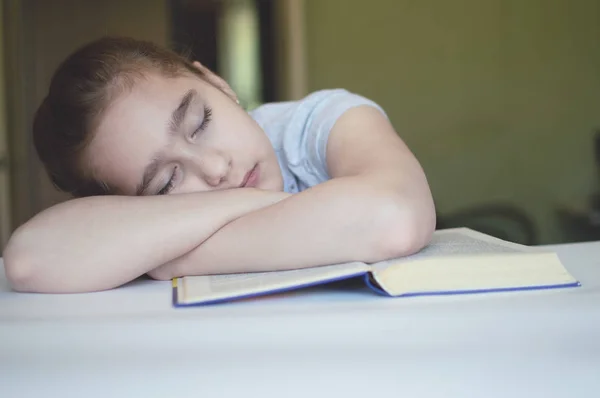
(19, 262)
(17, 265)
(403, 228)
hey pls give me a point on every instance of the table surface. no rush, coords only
(321, 341)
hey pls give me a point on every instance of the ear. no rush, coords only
(216, 81)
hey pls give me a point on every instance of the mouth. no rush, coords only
(251, 178)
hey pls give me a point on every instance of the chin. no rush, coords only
(278, 184)
(273, 179)
(277, 187)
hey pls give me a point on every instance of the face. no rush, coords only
(178, 135)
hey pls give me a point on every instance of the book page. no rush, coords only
(461, 260)
(516, 271)
(460, 241)
(197, 289)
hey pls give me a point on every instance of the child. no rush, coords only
(172, 177)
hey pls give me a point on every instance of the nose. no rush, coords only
(214, 166)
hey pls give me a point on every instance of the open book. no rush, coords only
(457, 261)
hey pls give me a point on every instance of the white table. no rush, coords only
(347, 343)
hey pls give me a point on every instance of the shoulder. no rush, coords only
(312, 116)
(299, 130)
(314, 103)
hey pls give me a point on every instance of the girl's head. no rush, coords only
(127, 117)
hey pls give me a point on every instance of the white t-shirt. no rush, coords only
(299, 131)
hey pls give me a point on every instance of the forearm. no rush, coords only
(346, 219)
(102, 242)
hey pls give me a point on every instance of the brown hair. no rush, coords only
(82, 88)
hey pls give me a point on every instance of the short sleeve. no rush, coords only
(307, 134)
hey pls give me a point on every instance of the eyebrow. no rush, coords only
(177, 118)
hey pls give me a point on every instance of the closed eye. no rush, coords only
(205, 121)
(170, 184)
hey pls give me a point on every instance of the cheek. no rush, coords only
(245, 135)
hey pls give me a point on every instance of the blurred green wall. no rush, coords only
(497, 98)
(5, 223)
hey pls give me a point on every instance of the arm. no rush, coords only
(377, 205)
(101, 242)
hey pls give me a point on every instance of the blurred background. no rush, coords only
(499, 99)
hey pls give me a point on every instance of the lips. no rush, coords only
(251, 178)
